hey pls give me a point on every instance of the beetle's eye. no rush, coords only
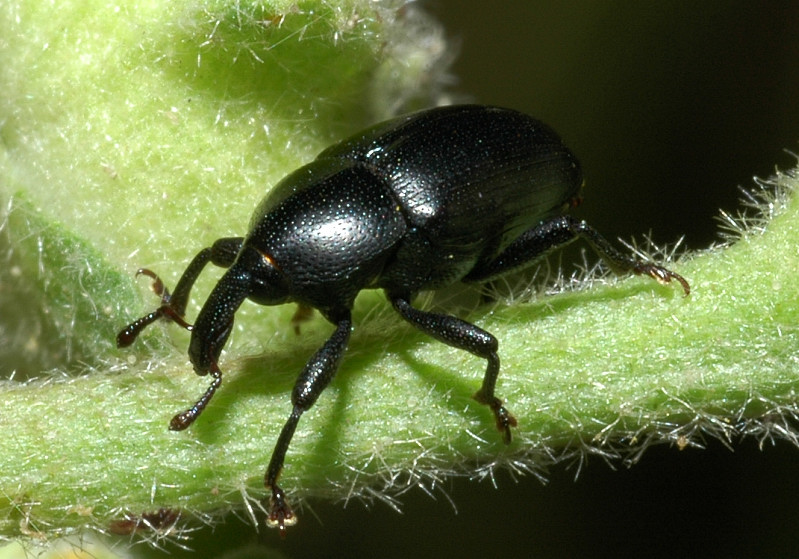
(268, 283)
(267, 258)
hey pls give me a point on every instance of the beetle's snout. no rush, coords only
(215, 321)
(204, 351)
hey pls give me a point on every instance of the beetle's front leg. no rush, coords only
(173, 306)
(461, 334)
(315, 377)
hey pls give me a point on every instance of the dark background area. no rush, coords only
(670, 107)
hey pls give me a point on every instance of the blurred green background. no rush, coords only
(670, 106)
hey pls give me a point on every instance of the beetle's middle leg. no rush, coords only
(315, 377)
(461, 334)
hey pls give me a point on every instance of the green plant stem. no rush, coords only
(608, 367)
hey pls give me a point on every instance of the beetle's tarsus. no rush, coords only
(504, 422)
(157, 286)
(662, 275)
(504, 418)
(280, 513)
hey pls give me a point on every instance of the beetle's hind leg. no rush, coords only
(461, 334)
(558, 232)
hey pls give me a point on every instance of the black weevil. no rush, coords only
(460, 193)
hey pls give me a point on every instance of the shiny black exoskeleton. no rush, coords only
(460, 193)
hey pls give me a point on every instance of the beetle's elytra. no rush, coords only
(460, 193)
